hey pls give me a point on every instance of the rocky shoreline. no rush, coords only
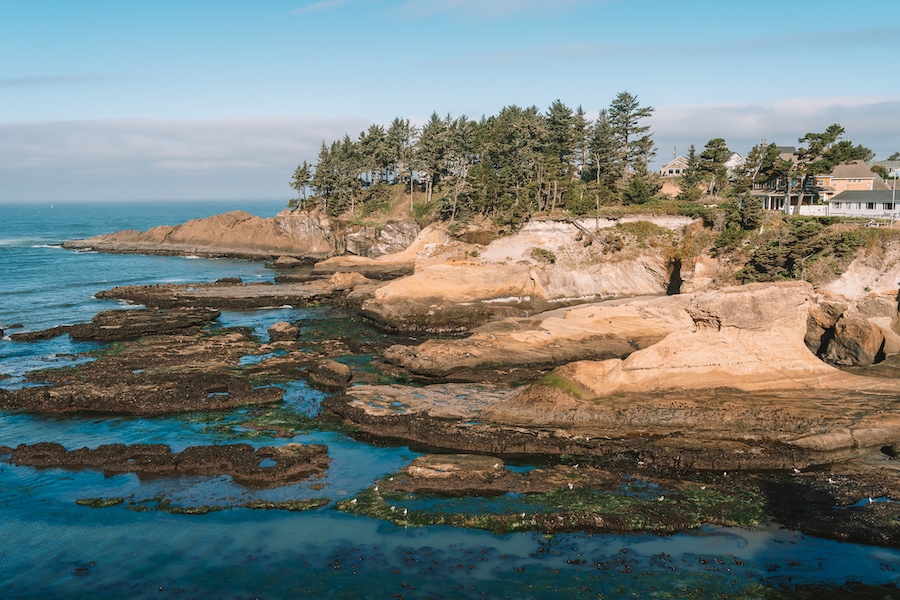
(583, 360)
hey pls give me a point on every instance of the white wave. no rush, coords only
(55, 246)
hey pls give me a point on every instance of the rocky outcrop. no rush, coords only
(301, 235)
(538, 268)
(734, 386)
(153, 375)
(282, 331)
(117, 325)
(855, 342)
(268, 466)
(519, 347)
(390, 238)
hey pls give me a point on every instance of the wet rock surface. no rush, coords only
(152, 375)
(117, 325)
(269, 466)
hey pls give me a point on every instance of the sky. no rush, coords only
(113, 100)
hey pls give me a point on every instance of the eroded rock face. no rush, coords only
(268, 466)
(856, 342)
(541, 267)
(237, 233)
(392, 237)
(612, 329)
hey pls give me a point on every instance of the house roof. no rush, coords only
(677, 161)
(864, 196)
(858, 169)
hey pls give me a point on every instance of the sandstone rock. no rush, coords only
(856, 342)
(282, 331)
(236, 233)
(612, 329)
(330, 373)
(390, 238)
(287, 262)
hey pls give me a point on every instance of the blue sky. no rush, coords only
(202, 99)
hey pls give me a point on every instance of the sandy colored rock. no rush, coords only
(595, 331)
(856, 342)
(282, 331)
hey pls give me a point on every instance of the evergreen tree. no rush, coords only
(300, 182)
(690, 177)
(712, 164)
(633, 139)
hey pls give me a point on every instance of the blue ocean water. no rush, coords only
(51, 547)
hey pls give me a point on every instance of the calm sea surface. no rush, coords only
(51, 547)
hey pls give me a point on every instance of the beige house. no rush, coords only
(855, 176)
(674, 168)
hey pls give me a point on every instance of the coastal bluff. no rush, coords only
(307, 236)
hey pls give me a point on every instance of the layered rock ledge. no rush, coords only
(269, 466)
(734, 387)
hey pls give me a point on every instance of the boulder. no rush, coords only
(856, 342)
(330, 373)
(282, 331)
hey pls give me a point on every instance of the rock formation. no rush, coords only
(304, 235)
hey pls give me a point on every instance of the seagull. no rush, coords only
(796, 471)
(353, 501)
(661, 498)
(523, 515)
(405, 512)
(376, 488)
(870, 500)
(392, 508)
(831, 481)
(571, 485)
(496, 465)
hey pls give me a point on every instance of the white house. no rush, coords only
(872, 204)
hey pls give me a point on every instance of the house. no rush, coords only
(674, 168)
(873, 204)
(855, 176)
(734, 163)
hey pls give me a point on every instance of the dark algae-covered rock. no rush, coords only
(268, 466)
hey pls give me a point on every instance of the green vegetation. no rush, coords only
(543, 255)
(505, 167)
(643, 508)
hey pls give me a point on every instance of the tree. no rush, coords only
(712, 164)
(894, 156)
(606, 168)
(690, 177)
(300, 182)
(431, 148)
(401, 148)
(634, 140)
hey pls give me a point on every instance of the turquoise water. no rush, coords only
(51, 547)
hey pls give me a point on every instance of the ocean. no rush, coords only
(53, 547)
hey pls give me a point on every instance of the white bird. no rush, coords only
(523, 515)
(496, 465)
(376, 488)
(661, 498)
(702, 487)
(405, 512)
(392, 508)
(831, 481)
(796, 471)
(571, 485)
(870, 500)
(353, 501)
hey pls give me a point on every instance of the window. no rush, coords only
(870, 206)
(888, 206)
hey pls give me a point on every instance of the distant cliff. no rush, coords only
(308, 236)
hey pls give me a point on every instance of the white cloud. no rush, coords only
(870, 121)
(143, 158)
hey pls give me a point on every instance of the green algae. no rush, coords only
(100, 502)
(289, 505)
(579, 509)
